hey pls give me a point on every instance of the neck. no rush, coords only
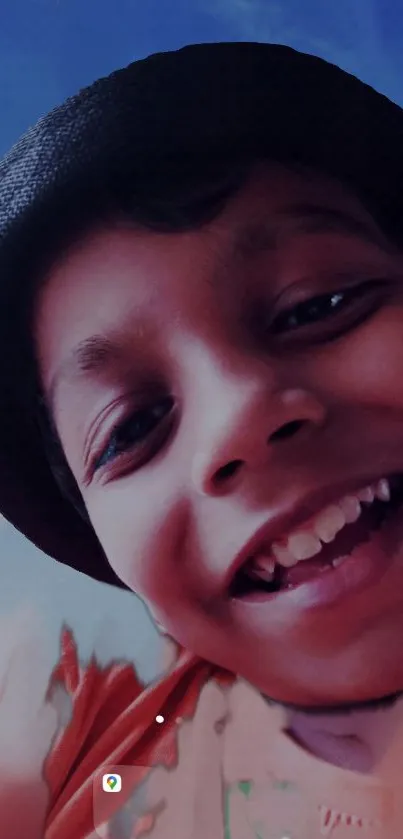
(345, 735)
(342, 707)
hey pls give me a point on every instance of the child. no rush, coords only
(201, 287)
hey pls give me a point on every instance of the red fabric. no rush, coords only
(113, 722)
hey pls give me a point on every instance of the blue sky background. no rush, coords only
(50, 48)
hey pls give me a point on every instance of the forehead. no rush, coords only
(114, 274)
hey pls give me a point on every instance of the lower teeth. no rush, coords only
(338, 561)
(245, 584)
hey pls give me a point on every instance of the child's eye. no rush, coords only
(356, 301)
(143, 433)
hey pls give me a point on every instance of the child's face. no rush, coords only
(199, 399)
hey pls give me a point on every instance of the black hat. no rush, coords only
(201, 102)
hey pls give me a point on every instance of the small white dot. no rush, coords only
(159, 718)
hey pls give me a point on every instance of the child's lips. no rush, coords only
(362, 569)
(252, 563)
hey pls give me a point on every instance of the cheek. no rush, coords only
(140, 525)
(367, 367)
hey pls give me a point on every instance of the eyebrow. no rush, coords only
(95, 354)
(91, 356)
(307, 218)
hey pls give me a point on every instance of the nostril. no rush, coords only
(228, 471)
(287, 430)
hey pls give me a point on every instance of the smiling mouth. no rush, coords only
(322, 544)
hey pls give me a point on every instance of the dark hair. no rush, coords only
(184, 197)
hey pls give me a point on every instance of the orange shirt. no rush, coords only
(219, 765)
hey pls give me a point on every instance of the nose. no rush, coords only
(243, 430)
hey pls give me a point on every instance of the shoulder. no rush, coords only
(109, 718)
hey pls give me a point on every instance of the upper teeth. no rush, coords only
(303, 543)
